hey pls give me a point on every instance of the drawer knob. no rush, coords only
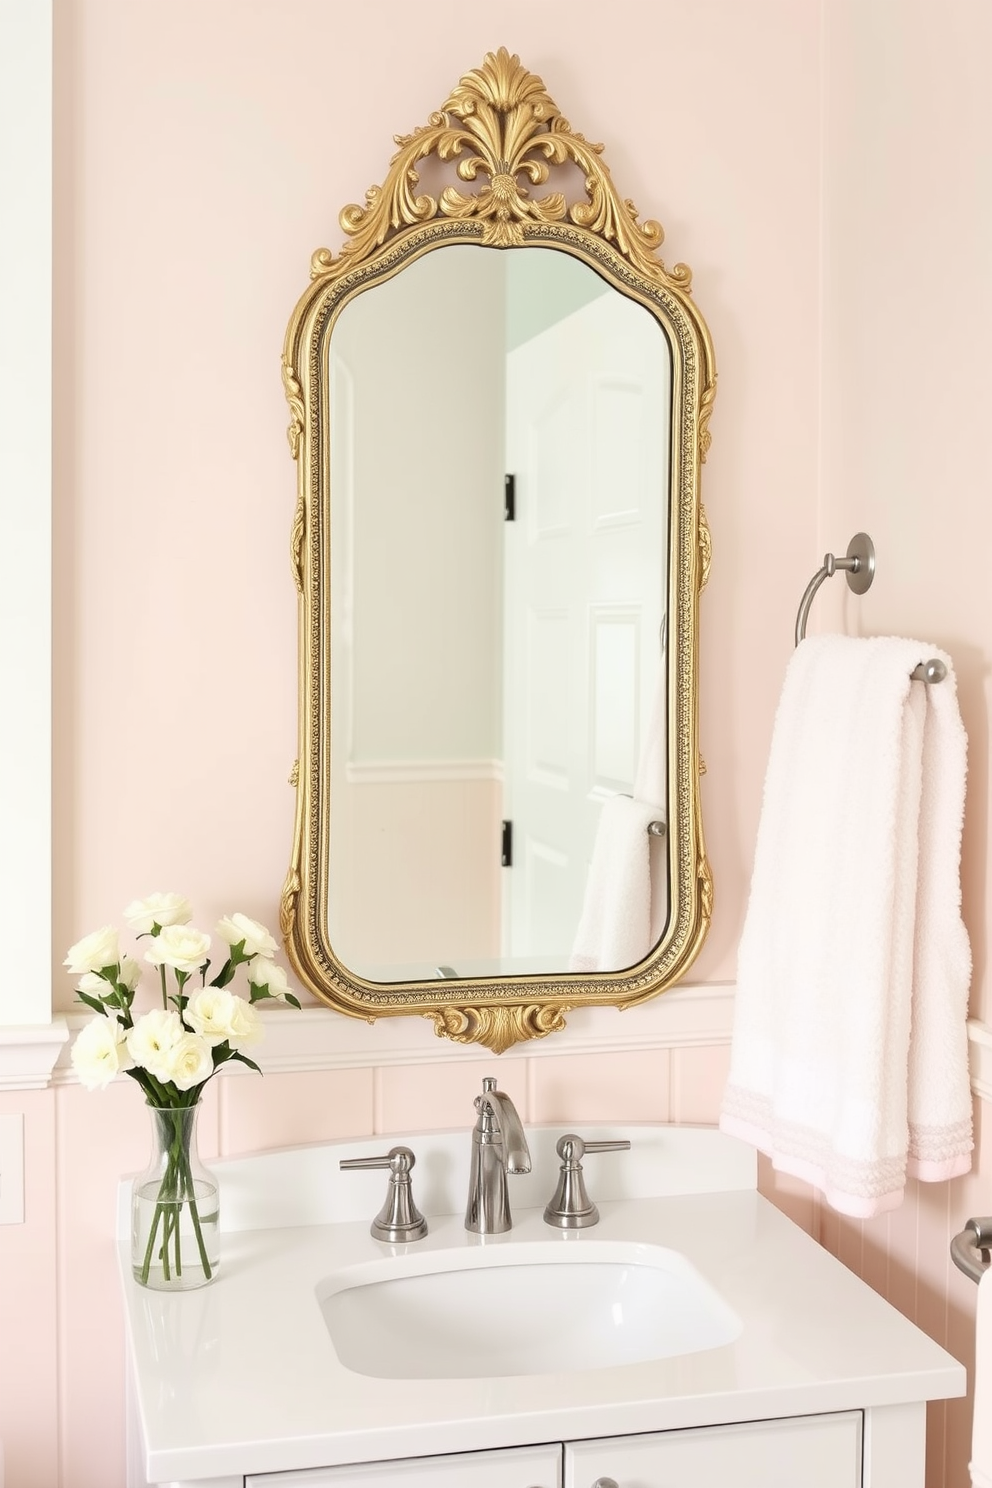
(606, 1483)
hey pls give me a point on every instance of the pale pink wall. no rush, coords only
(204, 149)
(907, 330)
(907, 387)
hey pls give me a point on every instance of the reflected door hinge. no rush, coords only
(507, 851)
(509, 498)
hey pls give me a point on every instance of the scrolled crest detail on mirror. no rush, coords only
(499, 122)
(499, 404)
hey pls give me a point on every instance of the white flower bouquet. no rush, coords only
(173, 1050)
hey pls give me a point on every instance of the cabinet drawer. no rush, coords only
(815, 1451)
(512, 1467)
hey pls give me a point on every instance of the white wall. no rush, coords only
(25, 506)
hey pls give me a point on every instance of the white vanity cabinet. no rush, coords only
(511, 1467)
(816, 1451)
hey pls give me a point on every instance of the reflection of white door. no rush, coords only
(587, 440)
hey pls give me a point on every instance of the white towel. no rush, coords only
(615, 929)
(981, 1430)
(849, 1062)
(650, 784)
(625, 903)
(650, 781)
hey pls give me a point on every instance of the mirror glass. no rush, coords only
(499, 446)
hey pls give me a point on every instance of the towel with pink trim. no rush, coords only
(849, 1059)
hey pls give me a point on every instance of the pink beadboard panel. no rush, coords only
(434, 1097)
(698, 1076)
(969, 1196)
(933, 1234)
(602, 1087)
(795, 1198)
(903, 1253)
(100, 1136)
(850, 1242)
(875, 1254)
(933, 1257)
(29, 1425)
(282, 1110)
(905, 1256)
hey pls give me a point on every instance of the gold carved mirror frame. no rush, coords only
(501, 136)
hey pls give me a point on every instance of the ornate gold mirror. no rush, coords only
(499, 401)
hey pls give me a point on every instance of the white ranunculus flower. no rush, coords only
(271, 975)
(179, 946)
(93, 983)
(99, 1052)
(209, 1013)
(151, 1039)
(246, 1026)
(238, 927)
(130, 972)
(94, 951)
(158, 909)
(188, 1061)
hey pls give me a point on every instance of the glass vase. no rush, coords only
(175, 1230)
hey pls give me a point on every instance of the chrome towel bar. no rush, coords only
(859, 565)
(970, 1250)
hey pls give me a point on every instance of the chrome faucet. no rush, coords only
(498, 1147)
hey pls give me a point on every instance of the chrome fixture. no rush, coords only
(571, 1208)
(859, 565)
(498, 1147)
(655, 828)
(971, 1251)
(399, 1219)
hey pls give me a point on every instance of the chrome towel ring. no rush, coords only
(859, 565)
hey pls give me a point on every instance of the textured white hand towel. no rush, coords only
(849, 1062)
(981, 1431)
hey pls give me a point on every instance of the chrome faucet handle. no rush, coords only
(399, 1219)
(571, 1207)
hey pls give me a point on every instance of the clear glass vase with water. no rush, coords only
(175, 1228)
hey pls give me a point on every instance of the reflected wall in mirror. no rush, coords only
(495, 657)
(499, 403)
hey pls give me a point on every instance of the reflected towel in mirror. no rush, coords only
(615, 930)
(626, 905)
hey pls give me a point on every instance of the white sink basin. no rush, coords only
(516, 1309)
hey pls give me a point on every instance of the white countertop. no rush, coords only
(242, 1377)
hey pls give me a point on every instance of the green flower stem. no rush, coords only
(175, 1190)
(146, 1264)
